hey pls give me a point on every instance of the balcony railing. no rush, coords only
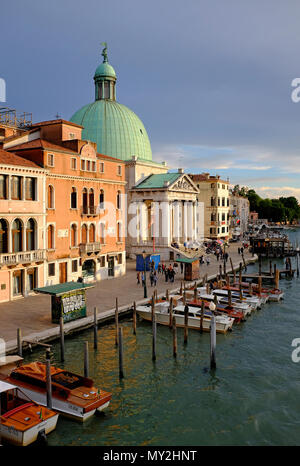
(22, 257)
(87, 248)
(89, 210)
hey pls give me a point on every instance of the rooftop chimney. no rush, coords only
(180, 170)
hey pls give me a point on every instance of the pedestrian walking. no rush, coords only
(166, 274)
(207, 260)
(181, 267)
(155, 278)
(151, 278)
(239, 250)
(138, 276)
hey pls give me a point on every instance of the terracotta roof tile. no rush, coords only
(41, 144)
(8, 158)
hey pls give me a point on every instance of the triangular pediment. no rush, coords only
(184, 183)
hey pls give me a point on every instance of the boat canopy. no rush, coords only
(4, 386)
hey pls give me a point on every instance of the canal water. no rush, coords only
(251, 399)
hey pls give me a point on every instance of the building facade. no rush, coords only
(163, 212)
(22, 226)
(214, 194)
(239, 214)
(85, 213)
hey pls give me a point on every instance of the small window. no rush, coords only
(119, 200)
(71, 136)
(73, 198)
(82, 164)
(102, 261)
(50, 160)
(120, 258)
(73, 164)
(88, 166)
(93, 166)
(119, 171)
(101, 167)
(75, 265)
(51, 269)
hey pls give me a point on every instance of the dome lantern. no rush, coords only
(116, 129)
(105, 79)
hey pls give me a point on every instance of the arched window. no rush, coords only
(30, 235)
(3, 236)
(17, 234)
(50, 234)
(91, 200)
(102, 233)
(92, 234)
(84, 234)
(119, 200)
(73, 235)
(85, 201)
(50, 197)
(73, 198)
(101, 199)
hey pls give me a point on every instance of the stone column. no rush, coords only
(166, 217)
(176, 221)
(190, 220)
(184, 220)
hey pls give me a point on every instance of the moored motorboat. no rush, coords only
(22, 420)
(72, 395)
(274, 294)
(221, 309)
(223, 324)
(235, 303)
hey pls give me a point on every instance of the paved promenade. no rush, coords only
(33, 314)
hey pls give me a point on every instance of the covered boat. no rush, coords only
(72, 395)
(22, 420)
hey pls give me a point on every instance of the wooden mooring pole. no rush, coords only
(121, 368)
(202, 315)
(153, 333)
(186, 318)
(245, 265)
(171, 313)
(232, 269)
(48, 380)
(86, 359)
(19, 342)
(174, 332)
(62, 339)
(277, 280)
(213, 364)
(117, 321)
(95, 329)
(134, 318)
(297, 258)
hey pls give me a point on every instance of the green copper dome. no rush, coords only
(116, 129)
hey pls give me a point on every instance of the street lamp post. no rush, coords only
(145, 281)
(224, 259)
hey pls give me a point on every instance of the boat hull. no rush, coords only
(10, 434)
(193, 322)
(64, 407)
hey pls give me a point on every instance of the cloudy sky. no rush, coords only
(210, 79)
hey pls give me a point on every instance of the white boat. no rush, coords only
(223, 324)
(22, 420)
(254, 302)
(245, 308)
